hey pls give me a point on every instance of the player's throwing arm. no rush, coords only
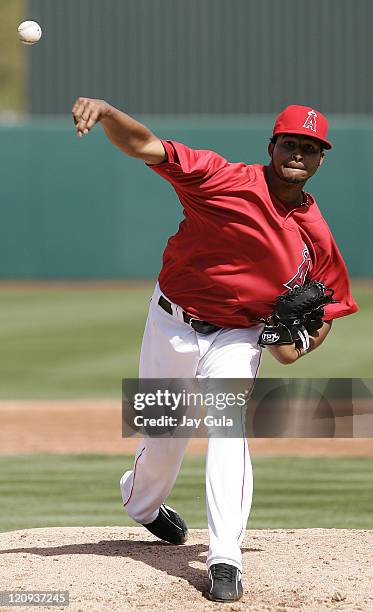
(129, 135)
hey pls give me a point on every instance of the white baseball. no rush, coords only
(29, 32)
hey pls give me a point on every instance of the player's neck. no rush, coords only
(290, 194)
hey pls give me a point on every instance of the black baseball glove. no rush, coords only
(297, 314)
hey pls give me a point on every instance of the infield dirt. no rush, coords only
(126, 569)
(94, 426)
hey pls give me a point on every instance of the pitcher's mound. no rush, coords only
(127, 569)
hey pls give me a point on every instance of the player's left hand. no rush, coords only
(297, 314)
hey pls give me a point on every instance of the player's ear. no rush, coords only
(271, 146)
(322, 157)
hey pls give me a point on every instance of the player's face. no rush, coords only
(295, 158)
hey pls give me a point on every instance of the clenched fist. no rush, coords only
(87, 112)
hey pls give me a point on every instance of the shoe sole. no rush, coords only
(223, 600)
(181, 535)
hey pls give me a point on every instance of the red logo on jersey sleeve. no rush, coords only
(300, 276)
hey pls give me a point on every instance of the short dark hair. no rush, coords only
(273, 140)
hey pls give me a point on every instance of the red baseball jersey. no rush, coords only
(238, 246)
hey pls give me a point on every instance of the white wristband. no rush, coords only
(304, 338)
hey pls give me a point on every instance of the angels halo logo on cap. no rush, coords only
(310, 122)
(304, 120)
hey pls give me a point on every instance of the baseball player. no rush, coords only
(249, 234)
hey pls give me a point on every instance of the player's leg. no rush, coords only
(169, 350)
(229, 480)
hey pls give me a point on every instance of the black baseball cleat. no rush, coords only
(169, 526)
(225, 583)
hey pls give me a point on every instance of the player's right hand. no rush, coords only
(87, 112)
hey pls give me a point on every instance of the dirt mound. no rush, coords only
(127, 569)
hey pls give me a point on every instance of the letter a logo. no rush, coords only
(310, 122)
(300, 276)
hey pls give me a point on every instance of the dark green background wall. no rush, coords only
(79, 208)
(202, 56)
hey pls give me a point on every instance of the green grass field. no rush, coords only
(80, 343)
(57, 490)
(70, 343)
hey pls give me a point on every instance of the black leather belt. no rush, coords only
(202, 327)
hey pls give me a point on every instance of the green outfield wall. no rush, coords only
(200, 56)
(80, 209)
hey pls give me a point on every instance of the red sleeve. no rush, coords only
(331, 270)
(188, 168)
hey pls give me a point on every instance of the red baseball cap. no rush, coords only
(305, 120)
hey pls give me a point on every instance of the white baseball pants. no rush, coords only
(172, 349)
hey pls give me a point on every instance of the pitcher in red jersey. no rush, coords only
(249, 233)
